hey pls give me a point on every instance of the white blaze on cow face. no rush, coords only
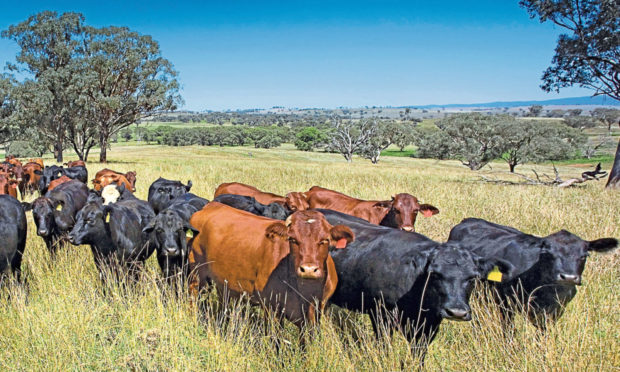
(110, 194)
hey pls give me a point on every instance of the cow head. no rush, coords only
(296, 201)
(163, 191)
(403, 211)
(276, 211)
(131, 178)
(90, 224)
(566, 254)
(110, 194)
(17, 172)
(310, 236)
(43, 215)
(452, 272)
(8, 185)
(170, 232)
(48, 175)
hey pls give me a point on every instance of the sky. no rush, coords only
(259, 54)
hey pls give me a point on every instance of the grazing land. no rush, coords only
(64, 318)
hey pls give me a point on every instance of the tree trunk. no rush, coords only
(512, 167)
(58, 151)
(613, 182)
(103, 143)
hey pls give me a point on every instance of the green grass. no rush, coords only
(64, 321)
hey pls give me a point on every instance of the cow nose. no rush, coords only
(42, 232)
(171, 251)
(458, 314)
(570, 279)
(408, 228)
(71, 238)
(309, 271)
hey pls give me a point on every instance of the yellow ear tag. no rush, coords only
(107, 217)
(495, 275)
(59, 207)
(189, 234)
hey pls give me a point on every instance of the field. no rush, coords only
(62, 320)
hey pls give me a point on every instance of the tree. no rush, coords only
(128, 80)
(310, 138)
(608, 117)
(7, 107)
(400, 133)
(49, 45)
(474, 138)
(432, 143)
(350, 136)
(535, 110)
(528, 140)
(377, 142)
(580, 122)
(589, 56)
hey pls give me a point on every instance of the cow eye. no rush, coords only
(293, 240)
(324, 241)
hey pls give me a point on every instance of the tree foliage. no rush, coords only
(589, 54)
(310, 138)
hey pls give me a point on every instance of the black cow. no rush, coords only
(547, 269)
(249, 204)
(53, 172)
(54, 213)
(114, 232)
(163, 191)
(169, 232)
(424, 280)
(13, 231)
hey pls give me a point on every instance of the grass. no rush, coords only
(63, 321)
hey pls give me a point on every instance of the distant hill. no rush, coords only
(598, 100)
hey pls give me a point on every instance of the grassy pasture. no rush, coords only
(62, 320)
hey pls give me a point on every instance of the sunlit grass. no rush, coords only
(65, 319)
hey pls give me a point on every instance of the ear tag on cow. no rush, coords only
(495, 275)
(59, 207)
(189, 233)
(342, 243)
(427, 213)
(107, 217)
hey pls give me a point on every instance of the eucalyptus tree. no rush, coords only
(128, 79)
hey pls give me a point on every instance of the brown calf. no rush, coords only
(8, 186)
(293, 200)
(75, 163)
(399, 212)
(107, 176)
(57, 182)
(283, 266)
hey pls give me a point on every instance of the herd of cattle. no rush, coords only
(295, 254)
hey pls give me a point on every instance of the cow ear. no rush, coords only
(495, 269)
(190, 231)
(26, 206)
(276, 230)
(341, 236)
(189, 185)
(383, 204)
(428, 210)
(149, 227)
(602, 245)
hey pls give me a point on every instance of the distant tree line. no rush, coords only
(82, 84)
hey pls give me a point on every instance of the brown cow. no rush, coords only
(293, 201)
(37, 161)
(14, 161)
(107, 176)
(75, 163)
(32, 174)
(57, 182)
(399, 212)
(283, 266)
(8, 186)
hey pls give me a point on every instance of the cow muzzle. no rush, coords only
(309, 271)
(457, 314)
(569, 279)
(408, 228)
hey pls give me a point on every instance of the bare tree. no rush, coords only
(351, 136)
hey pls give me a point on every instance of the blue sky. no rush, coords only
(258, 54)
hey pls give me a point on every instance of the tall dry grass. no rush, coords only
(63, 318)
